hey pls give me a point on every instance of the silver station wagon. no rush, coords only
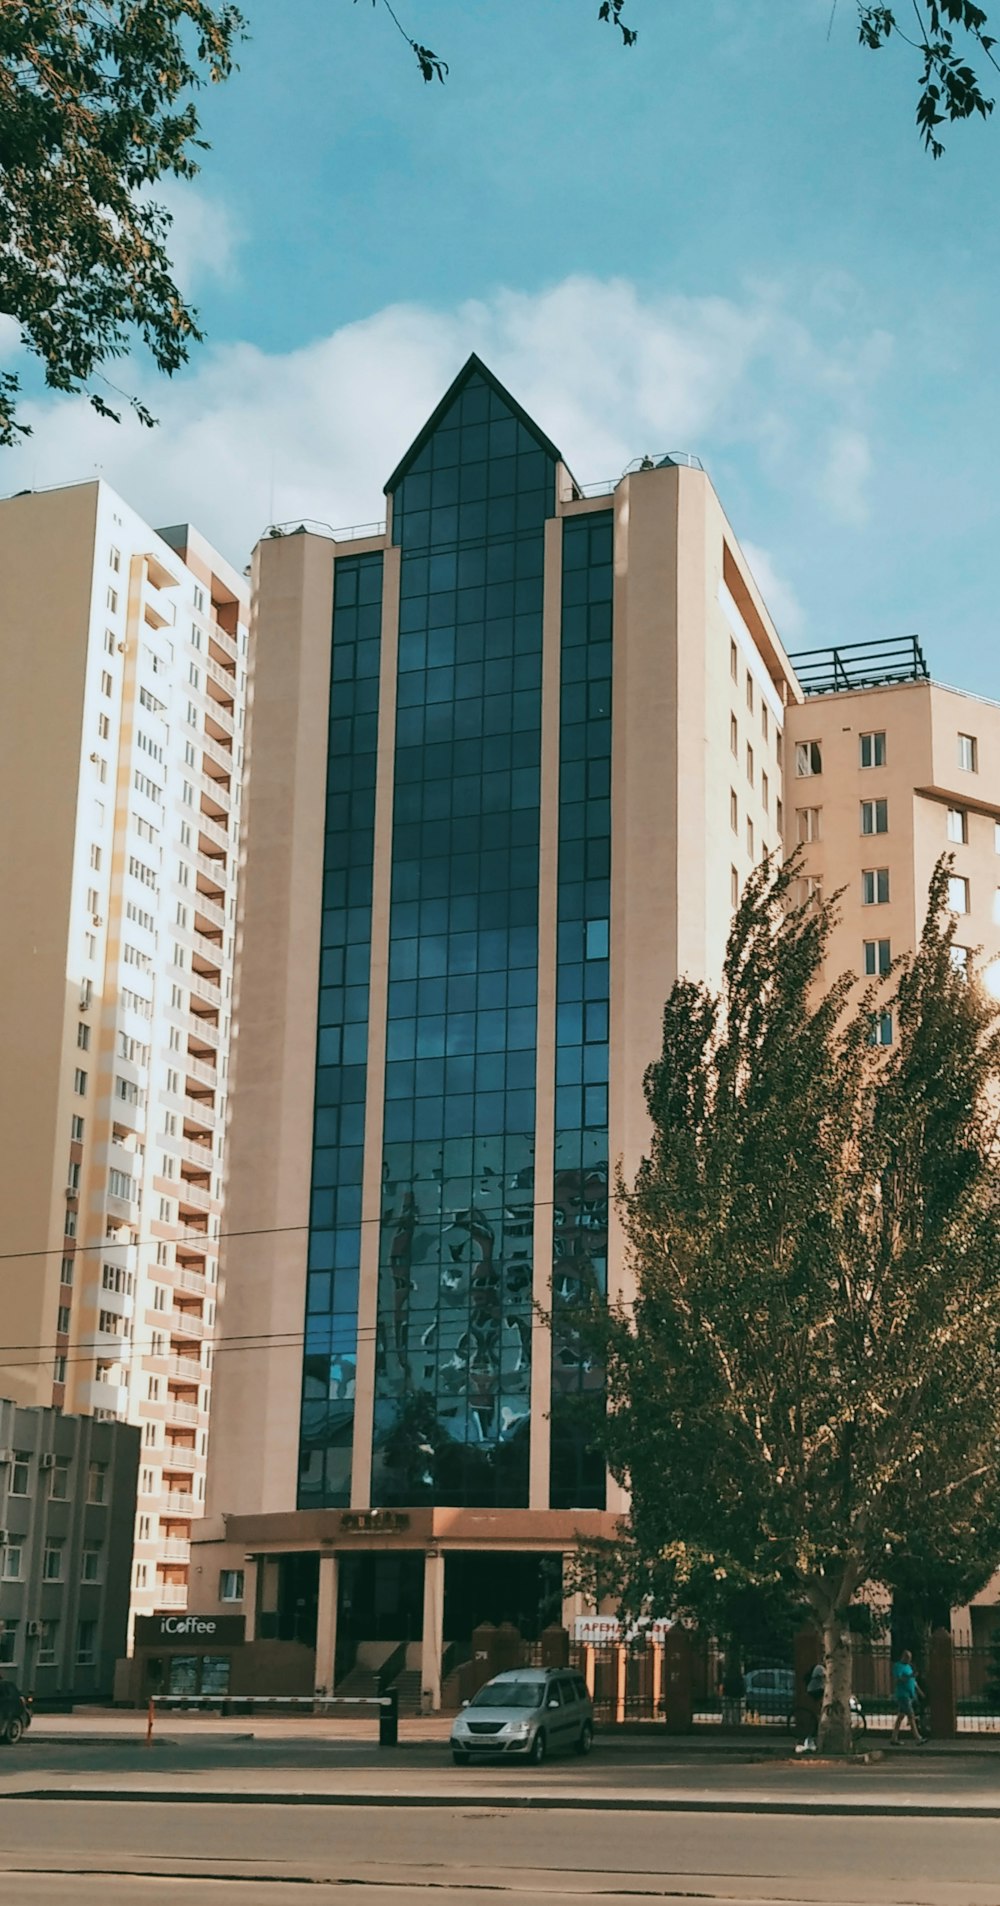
(533, 1712)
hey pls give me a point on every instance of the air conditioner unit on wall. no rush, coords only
(3, 1538)
(6, 1455)
(47, 1460)
(32, 1627)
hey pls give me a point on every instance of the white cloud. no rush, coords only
(246, 436)
(778, 593)
(204, 237)
(845, 474)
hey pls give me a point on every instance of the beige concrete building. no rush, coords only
(880, 781)
(123, 677)
(512, 759)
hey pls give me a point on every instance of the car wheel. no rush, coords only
(460, 1759)
(536, 1752)
(14, 1730)
(586, 1740)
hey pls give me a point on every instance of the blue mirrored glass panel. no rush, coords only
(331, 1325)
(580, 1259)
(454, 1328)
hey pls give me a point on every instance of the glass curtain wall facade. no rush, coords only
(580, 1216)
(455, 1321)
(331, 1325)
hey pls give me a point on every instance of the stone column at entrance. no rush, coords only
(326, 1624)
(433, 1632)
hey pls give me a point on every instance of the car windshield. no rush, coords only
(511, 1694)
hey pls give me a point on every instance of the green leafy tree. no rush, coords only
(805, 1392)
(95, 107)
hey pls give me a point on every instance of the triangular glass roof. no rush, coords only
(473, 370)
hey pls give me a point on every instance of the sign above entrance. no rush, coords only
(604, 1630)
(189, 1631)
(374, 1522)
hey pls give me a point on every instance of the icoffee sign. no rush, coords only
(189, 1631)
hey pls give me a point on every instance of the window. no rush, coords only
(194, 676)
(958, 893)
(59, 1486)
(734, 811)
(996, 837)
(968, 753)
(750, 838)
(733, 661)
(959, 956)
(734, 734)
(76, 1129)
(596, 939)
(764, 723)
(104, 727)
(80, 1083)
(95, 856)
(231, 1585)
(120, 1185)
(105, 683)
(779, 814)
(750, 691)
(97, 1482)
(109, 641)
(765, 792)
(62, 1319)
(750, 764)
(90, 1568)
(8, 1642)
(52, 1561)
(86, 1644)
(808, 759)
(872, 749)
(83, 1036)
(102, 768)
(874, 817)
(734, 887)
(958, 825)
(11, 1557)
(47, 1644)
(66, 1272)
(115, 559)
(875, 886)
(878, 957)
(73, 1177)
(880, 1032)
(807, 823)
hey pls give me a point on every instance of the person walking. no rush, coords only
(733, 1688)
(906, 1692)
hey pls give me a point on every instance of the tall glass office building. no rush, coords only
(494, 758)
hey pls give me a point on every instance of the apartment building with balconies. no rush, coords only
(123, 677)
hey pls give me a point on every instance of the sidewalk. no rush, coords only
(93, 1726)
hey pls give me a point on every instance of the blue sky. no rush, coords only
(725, 240)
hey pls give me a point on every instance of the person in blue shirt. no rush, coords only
(905, 1691)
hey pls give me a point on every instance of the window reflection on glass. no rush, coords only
(580, 1197)
(454, 1324)
(329, 1362)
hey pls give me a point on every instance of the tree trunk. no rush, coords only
(835, 1718)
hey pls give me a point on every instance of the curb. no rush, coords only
(558, 1803)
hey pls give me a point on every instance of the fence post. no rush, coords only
(677, 1679)
(388, 1720)
(657, 1678)
(941, 1686)
(149, 1721)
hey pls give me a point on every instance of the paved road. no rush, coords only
(114, 1854)
(344, 1771)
